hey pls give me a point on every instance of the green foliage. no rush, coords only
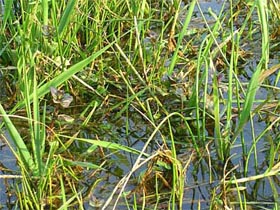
(168, 74)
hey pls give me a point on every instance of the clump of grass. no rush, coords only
(119, 57)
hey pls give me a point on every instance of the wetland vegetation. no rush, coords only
(147, 104)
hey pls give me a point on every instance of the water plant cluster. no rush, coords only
(140, 104)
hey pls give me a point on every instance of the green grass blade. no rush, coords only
(108, 145)
(181, 35)
(218, 136)
(45, 10)
(82, 164)
(43, 129)
(66, 16)
(249, 100)
(36, 127)
(24, 154)
(255, 80)
(67, 74)
(8, 9)
(64, 76)
(262, 5)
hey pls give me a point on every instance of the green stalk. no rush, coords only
(45, 9)
(24, 154)
(181, 36)
(37, 128)
(8, 10)
(262, 5)
(219, 142)
(233, 64)
(255, 82)
(66, 16)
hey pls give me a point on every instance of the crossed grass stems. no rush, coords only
(92, 41)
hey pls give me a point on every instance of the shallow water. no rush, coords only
(8, 166)
(134, 132)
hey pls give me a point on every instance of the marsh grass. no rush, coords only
(121, 59)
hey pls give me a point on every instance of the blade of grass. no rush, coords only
(8, 9)
(181, 36)
(249, 100)
(106, 144)
(37, 127)
(45, 8)
(257, 76)
(24, 153)
(66, 17)
(219, 143)
(262, 7)
(64, 76)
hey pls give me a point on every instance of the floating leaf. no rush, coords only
(64, 117)
(56, 94)
(66, 100)
(59, 97)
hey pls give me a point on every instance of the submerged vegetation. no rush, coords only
(141, 104)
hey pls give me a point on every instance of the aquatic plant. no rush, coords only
(150, 104)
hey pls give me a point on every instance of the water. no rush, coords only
(8, 168)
